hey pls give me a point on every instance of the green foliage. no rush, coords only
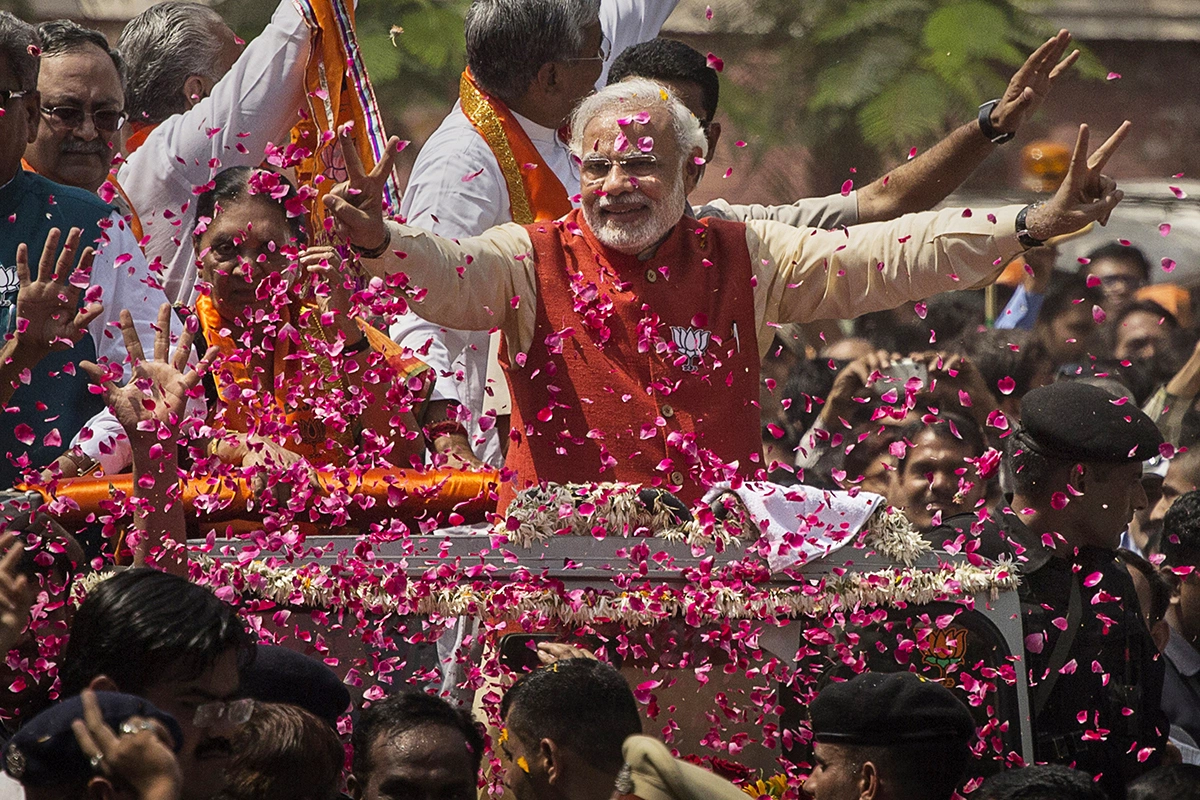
(860, 82)
(419, 65)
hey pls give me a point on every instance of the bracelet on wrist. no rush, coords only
(1027, 240)
(985, 124)
(374, 252)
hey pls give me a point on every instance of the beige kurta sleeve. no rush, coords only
(475, 284)
(805, 274)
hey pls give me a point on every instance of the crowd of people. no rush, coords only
(210, 281)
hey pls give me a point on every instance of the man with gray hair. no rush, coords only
(81, 83)
(632, 334)
(198, 103)
(51, 402)
(498, 157)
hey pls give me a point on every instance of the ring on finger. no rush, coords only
(96, 761)
(136, 727)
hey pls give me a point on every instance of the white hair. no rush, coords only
(631, 96)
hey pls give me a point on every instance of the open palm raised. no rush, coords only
(157, 393)
(48, 314)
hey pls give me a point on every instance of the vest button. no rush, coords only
(651, 276)
(676, 478)
(668, 412)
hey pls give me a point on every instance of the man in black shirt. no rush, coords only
(1095, 677)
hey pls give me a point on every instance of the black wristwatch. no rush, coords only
(985, 124)
(1023, 236)
(376, 252)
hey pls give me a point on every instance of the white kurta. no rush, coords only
(439, 199)
(123, 285)
(256, 102)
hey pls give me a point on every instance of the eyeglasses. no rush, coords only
(10, 94)
(1123, 281)
(596, 168)
(601, 54)
(232, 712)
(109, 120)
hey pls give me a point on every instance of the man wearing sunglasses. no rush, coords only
(82, 106)
(52, 402)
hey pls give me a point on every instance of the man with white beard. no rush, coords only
(632, 334)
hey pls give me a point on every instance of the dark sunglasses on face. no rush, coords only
(105, 119)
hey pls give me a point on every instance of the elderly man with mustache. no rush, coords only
(589, 305)
(52, 403)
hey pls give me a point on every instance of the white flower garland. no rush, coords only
(314, 587)
(574, 509)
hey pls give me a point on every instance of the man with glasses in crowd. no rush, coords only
(499, 156)
(52, 403)
(82, 104)
(128, 636)
(627, 310)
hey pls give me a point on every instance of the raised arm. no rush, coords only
(925, 181)
(48, 314)
(806, 275)
(256, 102)
(474, 285)
(151, 409)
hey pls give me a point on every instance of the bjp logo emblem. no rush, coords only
(691, 342)
(944, 648)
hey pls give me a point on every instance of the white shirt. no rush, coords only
(10, 788)
(256, 102)
(123, 285)
(438, 199)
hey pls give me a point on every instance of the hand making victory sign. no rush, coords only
(1086, 194)
(357, 204)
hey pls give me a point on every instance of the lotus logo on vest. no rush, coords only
(691, 342)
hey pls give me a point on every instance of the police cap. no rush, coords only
(1075, 421)
(884, 709)
(45, 752)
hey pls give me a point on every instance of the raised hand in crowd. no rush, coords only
(1086, 194)
(151, 408)
(954, 381)
(923, 182)
(1031, 84)
(550, 652)
(48, 314)
(16, 593)
(140, 755)
(852, 382)
(357, 203)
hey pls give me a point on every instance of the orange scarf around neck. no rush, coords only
(535, 192)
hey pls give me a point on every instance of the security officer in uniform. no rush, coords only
(889, 735)
(1075, 461)
(98, 744)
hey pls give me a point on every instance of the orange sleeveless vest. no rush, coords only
(639, 371)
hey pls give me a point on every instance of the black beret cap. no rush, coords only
(45, 752)
(280, 675)
(893, 708)
(1075, 421)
